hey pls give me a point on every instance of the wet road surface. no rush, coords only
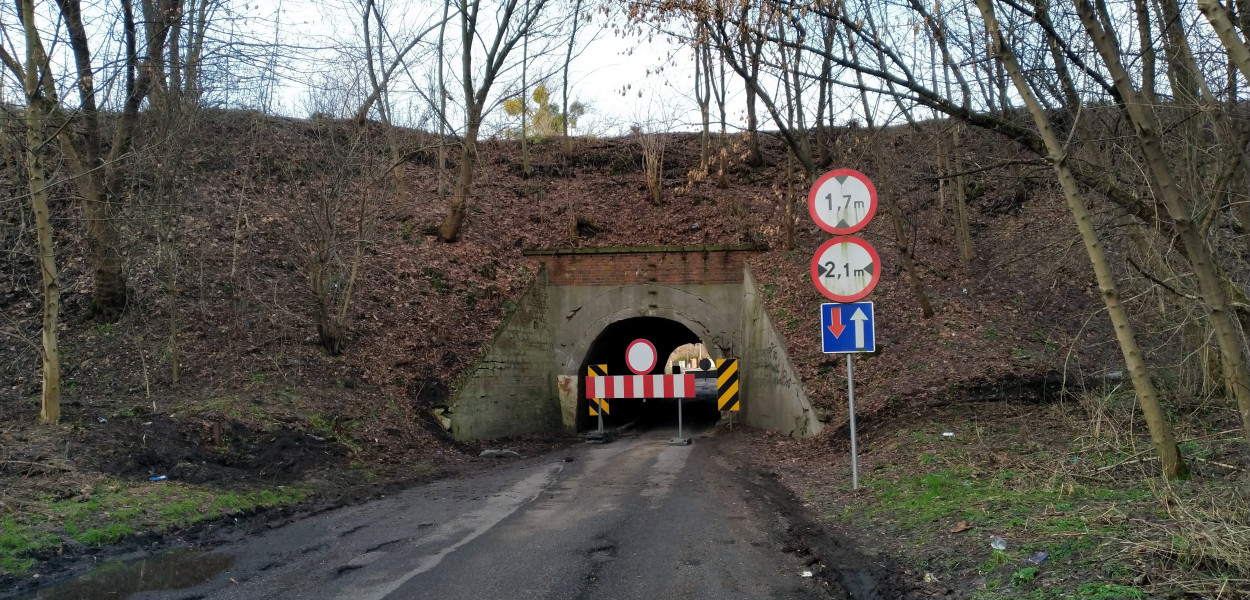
(636, 518)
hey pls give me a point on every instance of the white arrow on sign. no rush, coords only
(859, 317)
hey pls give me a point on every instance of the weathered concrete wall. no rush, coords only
(513, 389)
(527, 382)
(771, 392)
(579, 314)
(699, 288)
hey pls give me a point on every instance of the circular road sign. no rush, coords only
(640, 357)
(842, 201)
(846, 269)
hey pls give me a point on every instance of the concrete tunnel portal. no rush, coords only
(585, 306)
(609, 349)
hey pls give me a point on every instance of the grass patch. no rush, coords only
(338, 428)
(121, 511)
(104, 536)
(1023, 576)
(1087, 492)
(1108, 591)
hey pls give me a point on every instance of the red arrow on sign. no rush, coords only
(837, 327)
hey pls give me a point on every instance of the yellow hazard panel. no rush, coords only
(727, 384)
(597, 403)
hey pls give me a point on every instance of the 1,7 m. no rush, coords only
(859, 204)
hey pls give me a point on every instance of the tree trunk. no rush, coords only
(104, 242)
(789, 224)
(450, 229)
(174, 90)
(962, 230)
(568, 58)
(50, 397)
(943, 169)
(1186, 84)
(91, 173)
(525, 103)
(191, 66)
(904, 248)
(1236, 377)
(1160, 432)
(442, 106)
(824, 87)
(1147, 50)
(753, 158)
(703, 96)
(722, 165)
(1220, 21)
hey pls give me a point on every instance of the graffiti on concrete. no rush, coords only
(770, 367)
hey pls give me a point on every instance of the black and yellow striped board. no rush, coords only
(727, 384)
(597, 403)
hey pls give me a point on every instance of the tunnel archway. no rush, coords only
(609, 348)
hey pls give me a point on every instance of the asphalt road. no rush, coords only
(636, 518)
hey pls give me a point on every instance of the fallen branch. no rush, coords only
(1128, 462)
(1218, 464)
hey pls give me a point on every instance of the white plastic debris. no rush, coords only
(807, 573)
(492, 453)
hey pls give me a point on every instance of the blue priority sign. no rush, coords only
(847, 327)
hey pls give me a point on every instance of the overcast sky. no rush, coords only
(624, 80)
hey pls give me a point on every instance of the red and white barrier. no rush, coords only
(640, 386)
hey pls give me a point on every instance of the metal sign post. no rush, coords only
(850, 400)
(846, 269)
(680, 440)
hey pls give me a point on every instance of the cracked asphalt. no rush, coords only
(636, 518)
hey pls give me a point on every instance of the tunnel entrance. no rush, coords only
(609, 349)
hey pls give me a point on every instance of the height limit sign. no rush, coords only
(846, 269)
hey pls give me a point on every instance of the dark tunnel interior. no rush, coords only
(609, 349)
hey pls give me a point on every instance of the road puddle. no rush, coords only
(172, 570)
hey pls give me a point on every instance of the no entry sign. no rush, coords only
(640, 357)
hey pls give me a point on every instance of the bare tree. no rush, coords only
(564, 81)
(380, 72)
(97, 167)
(515, 20)
(334, 231)
(703, 96)
(1164, 182)
(41, 99)
(1160, 431)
